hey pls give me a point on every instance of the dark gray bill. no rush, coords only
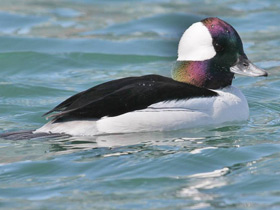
(247, 68)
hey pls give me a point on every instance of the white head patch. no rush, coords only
(196, 44)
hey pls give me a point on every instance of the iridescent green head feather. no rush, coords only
(209, 54)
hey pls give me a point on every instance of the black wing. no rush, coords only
(125, 95)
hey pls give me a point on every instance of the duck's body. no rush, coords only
(229, 105)
(200, 93)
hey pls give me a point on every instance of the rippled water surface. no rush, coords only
(52, 49)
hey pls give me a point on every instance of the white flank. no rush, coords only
(74, 128)
(196, 44)
(229, 106)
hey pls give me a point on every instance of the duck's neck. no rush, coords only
(202, 74)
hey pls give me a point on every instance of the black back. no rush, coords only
(125, 95)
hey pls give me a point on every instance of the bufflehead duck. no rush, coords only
(210, 52)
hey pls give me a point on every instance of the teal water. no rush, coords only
(50, 50)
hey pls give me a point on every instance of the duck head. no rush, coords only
(210, 52)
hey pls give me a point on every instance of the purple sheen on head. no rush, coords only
(213, 73)
(197, 73)
(192, 72)
(218, 27)
(221, 30)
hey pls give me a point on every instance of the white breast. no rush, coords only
(229, 106)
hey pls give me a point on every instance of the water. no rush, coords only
(50, 50)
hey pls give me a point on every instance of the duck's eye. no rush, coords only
(218, 47)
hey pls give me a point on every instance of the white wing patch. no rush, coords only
(196, 44)
(195, 104)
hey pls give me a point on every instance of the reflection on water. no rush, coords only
(193, 141)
